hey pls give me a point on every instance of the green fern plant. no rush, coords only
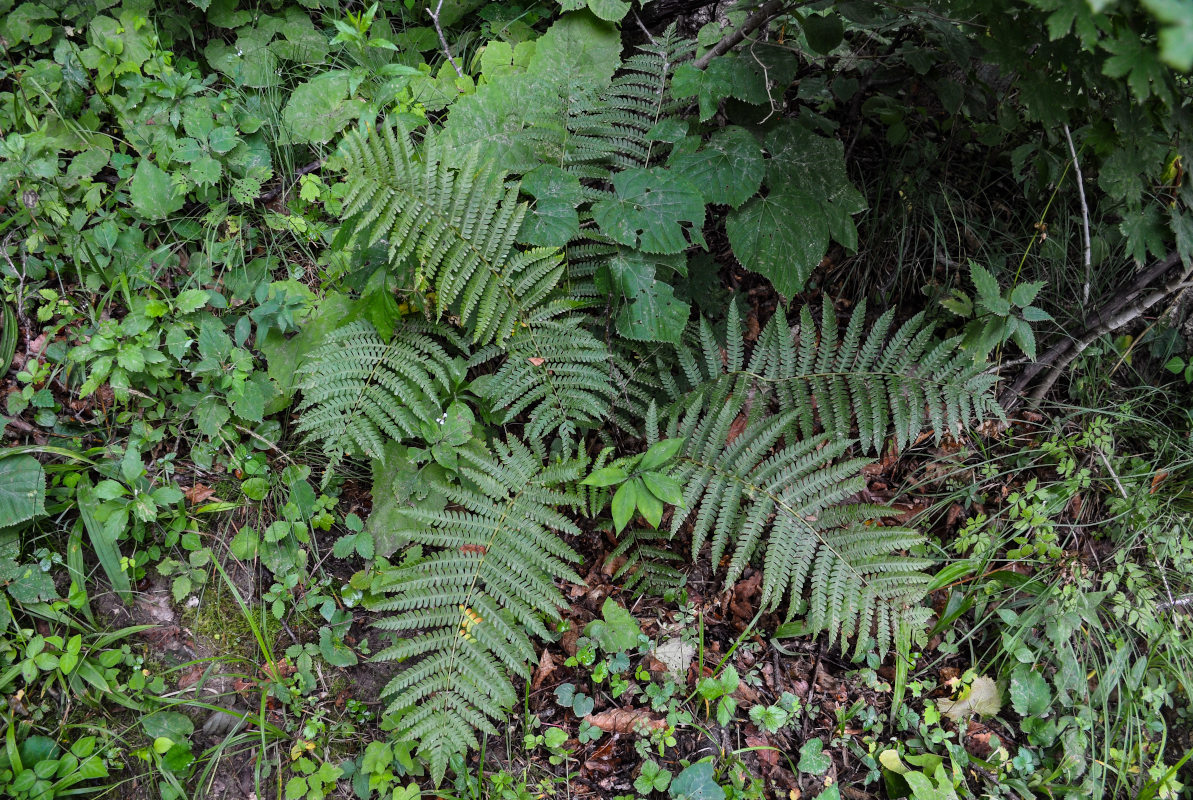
(556, 371)
(479, 581)
(460, 224)
(875, 380)
(360, 391)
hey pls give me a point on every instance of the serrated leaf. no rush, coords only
(22, 489)
(578, 50)
(653, 209)
(782, 237)
(1024, 293)
(984, 282)
(812, 759)
(153, 193)
(651, 311)
(320, 108)
(553, 220)
(1030, 693)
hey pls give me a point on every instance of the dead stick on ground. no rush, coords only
(443, 39)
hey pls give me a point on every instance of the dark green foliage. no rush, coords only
(484, 584)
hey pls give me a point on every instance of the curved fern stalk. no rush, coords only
(751, 493)
(906, 380)
(472, 602)
(360, 391)
(556, 371)
(459, 224)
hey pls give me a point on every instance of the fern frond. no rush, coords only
(459, 224)
(747, 491)
(905, 381)
(647, 565)
(486, 586)
(360, 391)
(557, 372)
(613, 129)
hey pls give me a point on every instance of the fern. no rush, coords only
(647, 565)
(614, 129)
(460, 225)
(476, 598)
(360, 391)
(554, 370)
(906, 381)
(749, 492)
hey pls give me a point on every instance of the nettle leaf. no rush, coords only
(652, 209)
(22, 489)
(728, 169)
(785, 234)
(320, 108)
(153, 193)
(652, 313)
(553, 220)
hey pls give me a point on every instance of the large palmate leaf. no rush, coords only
(728, 170)
(652, 209)
(578, 50)
(320, 108)
(782, 236)
(652, 312)
(785, 234)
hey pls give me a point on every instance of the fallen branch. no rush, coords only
(1124, 307)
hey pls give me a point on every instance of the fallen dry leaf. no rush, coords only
(537, 361)
(735, 428)
(545, 668)
(625, 720)
(768, 756)
(198, 493)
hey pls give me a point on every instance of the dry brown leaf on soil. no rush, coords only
(768, 756)
(625, 720)
(543, 672)
(198, 493)
(736, 428)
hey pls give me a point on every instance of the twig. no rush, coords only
(1127, 315)
(1113, 474)
(1179, 602)
(1084, 215)
(768, 11)
(1122, 308)
(443, 39)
